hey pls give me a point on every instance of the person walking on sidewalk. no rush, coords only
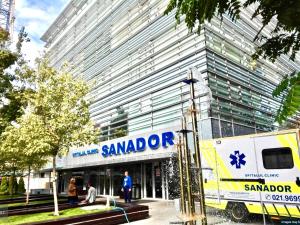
(126, 187)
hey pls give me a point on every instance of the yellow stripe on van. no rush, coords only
(273, 209)
(290, 140)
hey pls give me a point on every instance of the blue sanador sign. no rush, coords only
(139, 144)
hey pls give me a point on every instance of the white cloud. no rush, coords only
(32, 50)
(36, 16)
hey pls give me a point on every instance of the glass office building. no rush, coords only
(136, 60)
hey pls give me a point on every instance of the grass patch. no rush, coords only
(14, 220)
(5, 197)
(35, 202)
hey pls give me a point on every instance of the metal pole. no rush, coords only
(197, 152)
(182, 195)
(191, 205)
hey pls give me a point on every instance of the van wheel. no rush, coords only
(238, 212)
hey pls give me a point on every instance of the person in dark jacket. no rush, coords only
(126, 187)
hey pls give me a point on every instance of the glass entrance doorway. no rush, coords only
(153, 180)
(79, 182)
(158, 180)
(134, 171)
(149, 180)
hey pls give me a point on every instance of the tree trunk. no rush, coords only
(28, 190)
(13, 188)
(56, 212)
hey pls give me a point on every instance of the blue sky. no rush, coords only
(36, 16)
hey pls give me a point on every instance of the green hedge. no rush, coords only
(21, 186)
(4, 186)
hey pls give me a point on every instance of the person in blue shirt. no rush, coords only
(126, 187)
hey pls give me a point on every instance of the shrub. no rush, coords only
(4, 186)
(21, 186)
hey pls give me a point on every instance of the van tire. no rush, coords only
(238, 212)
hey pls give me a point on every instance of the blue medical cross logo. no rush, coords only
(237, 159)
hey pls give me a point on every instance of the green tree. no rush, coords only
(21, 186)
(12, 185)
(15, 147)
(15, 185)
(289, 91)
(284, 39)
(119, 132)
(4, 186)
(33, 161)
(10, 95)
(7, 59)
(58, 117)
(10, 157)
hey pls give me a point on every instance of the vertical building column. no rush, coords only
(153, 181)
(167, 186)
(143, 187)
(111, 186)
(142, 180)
(163, 181)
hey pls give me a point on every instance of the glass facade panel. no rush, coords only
(215, 128)
(243, 130)
(226, 128)
(138, 60)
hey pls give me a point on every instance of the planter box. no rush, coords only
(22, 199)
(113, 217)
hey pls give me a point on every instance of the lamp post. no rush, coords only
(186, 189)
(191, 81)
(182, 189)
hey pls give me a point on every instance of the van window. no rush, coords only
(278, 158)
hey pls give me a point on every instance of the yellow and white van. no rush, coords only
(253, 174)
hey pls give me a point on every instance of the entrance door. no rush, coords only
(149, 179)
(107, 181)
(101, 185)
(79, 181)
(117, 180)
(278, 165)
(158, 180)
(93, 180)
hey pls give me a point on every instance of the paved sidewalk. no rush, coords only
(163, 212)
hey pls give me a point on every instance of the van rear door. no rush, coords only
(279, 167)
